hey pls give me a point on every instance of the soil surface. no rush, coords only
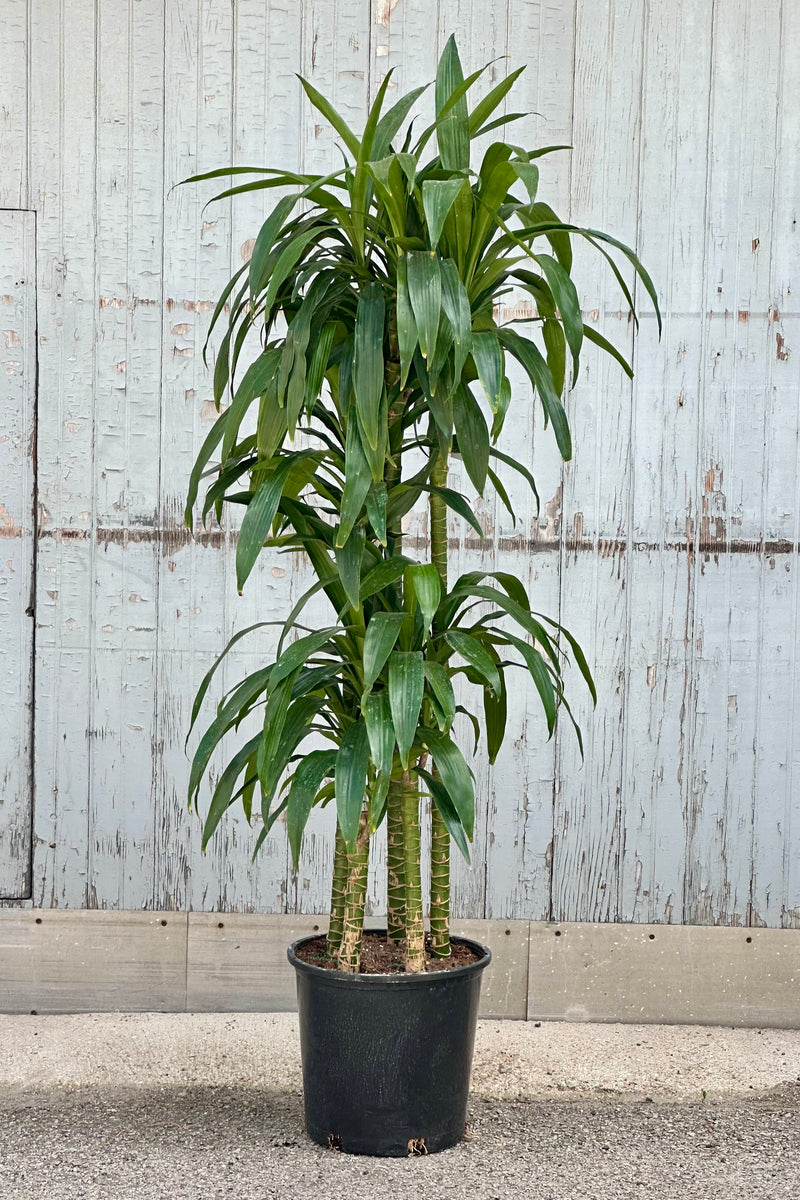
(382, 956)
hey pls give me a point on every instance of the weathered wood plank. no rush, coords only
(594, 600)
(62, 137)
(127, 416)
(730, 463)
(17, 449)
(522, 782)
(664, 435)
(666, 974)
(92, 962)
(14, 107)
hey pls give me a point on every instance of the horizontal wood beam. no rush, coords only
(70, 961)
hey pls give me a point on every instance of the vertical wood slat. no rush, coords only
(659, 687)
(17, 491)
(728, 484)
(62, 131)
(587, 834)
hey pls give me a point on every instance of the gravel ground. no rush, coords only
(147, 1107)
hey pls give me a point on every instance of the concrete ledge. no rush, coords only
(72, 961)
(671, 974)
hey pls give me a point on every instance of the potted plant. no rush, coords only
(373, 294)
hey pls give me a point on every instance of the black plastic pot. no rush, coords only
(387, 1058)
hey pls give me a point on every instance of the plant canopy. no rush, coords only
(373, 293)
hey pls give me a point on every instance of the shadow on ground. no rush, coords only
(247, 1143)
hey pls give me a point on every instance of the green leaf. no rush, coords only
(406, 686)
(269, 760)
(221, 368)
(318, 365)
(488, 359)
(519, 613)
(499, 487)
(502, 409)
(459, 505)
(592, 335)
(531, 359)
(449, 814)
(473, 436)
(380, 731)
(438, 197)
(348, 560)
(266, 240)
(455, 303)
(256, 380)
(258, 519)
(299, 652)
(382, 632)
(542, 214)
(485, 107)
(332, 116)
(566, 298)
(391, 121)
(406, 325)
(209, 675)
(425, 293)
(495, 713)
(368, 369)
(350, 777)
(520, 468)
(357, 481)
(541, 678)
(376, 510)
(228, 713)
(377, 801)
(223, 792)
(475, 654)
(455, 775)
(210, 443)
(383, 575)
(426, 586)
(302, 793)
(439, 683)
(556, 347)
(453, 130)
(287, 260)
(528, 173)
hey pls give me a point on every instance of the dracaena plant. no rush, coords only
(373, 292)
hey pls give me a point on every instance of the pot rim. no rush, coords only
(356, 979)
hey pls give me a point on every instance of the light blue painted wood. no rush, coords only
(670, 544)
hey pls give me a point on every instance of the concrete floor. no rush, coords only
(145, 1106)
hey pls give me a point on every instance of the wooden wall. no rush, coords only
(669, 545)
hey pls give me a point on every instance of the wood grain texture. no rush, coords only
(663, 974)
(669, 545)
(92, 961)
(17, 534)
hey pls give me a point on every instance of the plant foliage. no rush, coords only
(373, 291)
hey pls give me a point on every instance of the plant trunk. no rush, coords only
(440, 885)
(440, 838)
(349, 950)
(338, 888)
(395, 864)
(415, 929)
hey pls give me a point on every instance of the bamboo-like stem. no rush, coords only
(415, 929)
(395, 864)
(440, 838)
(440, 885)
(338, 887)
(349, 951)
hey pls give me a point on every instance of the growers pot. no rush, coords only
(387, 1058)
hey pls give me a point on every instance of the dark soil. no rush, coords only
(382, 956)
